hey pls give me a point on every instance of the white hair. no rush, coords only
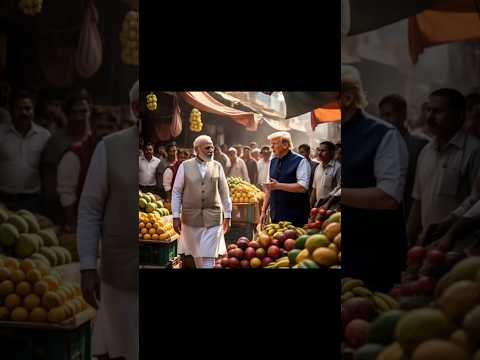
(134, 97)
(352, 81)
(201, 140)
(284, 136)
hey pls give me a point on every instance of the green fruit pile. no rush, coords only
(148, 203)
(21, 237)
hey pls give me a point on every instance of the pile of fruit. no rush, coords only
(283, 245)
(195, 120)
(30, 291)
(151, 102)
(30, 7)
(448, 327)
(243, 192)
(21, 237)
(151, 227)
(129, 38)
(151, 204)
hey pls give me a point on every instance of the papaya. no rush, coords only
(439, 349)
(457, 300)
(292, 256)
(316, 241)
(466, 269)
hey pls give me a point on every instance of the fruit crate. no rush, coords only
(158, 253)
(245, 213)
(30, 341)
(239, 229)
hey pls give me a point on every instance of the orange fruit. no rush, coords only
(152, 231)
(141, 225)
(144, 231)
(146, 237)
(19, 314)
(17, 276)
(27, 265)
(23, 288)
(149, 225)
(12, 301)
(154, 237)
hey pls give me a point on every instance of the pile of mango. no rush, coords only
(243, 192)
(30, 291)
(149, 203)
(195, 120)
(152, 227)
(21, 237)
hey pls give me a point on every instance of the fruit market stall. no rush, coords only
(284, 246)
(156, 236)
(433, 314)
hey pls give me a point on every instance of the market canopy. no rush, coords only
(320, 116)
(204, 102)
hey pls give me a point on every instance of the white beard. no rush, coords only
(205, 158)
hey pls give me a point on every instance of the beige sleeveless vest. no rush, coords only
(119, 254)
(201, 203)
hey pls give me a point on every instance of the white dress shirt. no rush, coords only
(91, 207)
(147, 171)
(167, 179)
(303, 173)
(263, 171)
(68, 174)
(20, 159)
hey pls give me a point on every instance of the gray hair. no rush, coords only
(201, 140)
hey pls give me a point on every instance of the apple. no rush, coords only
(426, 284)
(290, 234)
(238, 253)
(265, 241)
(266, 260)
(274, 252)
(255, 263)
(289, 244)
(234, 263)
(249, 253)
(232, 246)
(225, 262)
(416, 255)
(254, 244)
(276, 242)
(436, 257)
(322, 212)
(242, 243)
(313, 211)
(245, 264)
(260, 253)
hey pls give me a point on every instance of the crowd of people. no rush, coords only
(405, 186)
(46, 142)
(158, 166)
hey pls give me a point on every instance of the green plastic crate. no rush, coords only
(157, 253)
(43, 344)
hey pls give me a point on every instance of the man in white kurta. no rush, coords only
(199, 194)
(106, 205)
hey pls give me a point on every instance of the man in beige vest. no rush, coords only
(200, 193)
(107, 209)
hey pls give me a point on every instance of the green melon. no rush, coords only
(41, 258)
(8, 234)
(19, 222)
(300, 242)
(59, 254)
(50, 255)
(25, 246)
(49, 237)
(32, 222)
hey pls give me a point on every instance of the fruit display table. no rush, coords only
(158, 253)
(67, 341)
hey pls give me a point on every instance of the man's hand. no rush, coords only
(177, 225)
(272, 185)
(90, 283)
(226, 225)
(437, 230)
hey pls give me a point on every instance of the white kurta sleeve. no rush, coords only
(244, 171)
(167, 179)
(225, 194)
(91, 209)
(67, 178)
(177, 192)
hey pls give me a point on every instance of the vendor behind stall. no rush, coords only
(286, 192)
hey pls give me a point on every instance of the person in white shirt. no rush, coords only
(147, 166)
(73, 167)
(264, 166)
(108, 205)
(327, 174)
(21, 145)
(201, 195)
(171, 172)
(256, 154)
(238, 168)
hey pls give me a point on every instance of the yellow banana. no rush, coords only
(392, 303)
(361, 291)
(348, 295)
(380, 304)
(350, 284)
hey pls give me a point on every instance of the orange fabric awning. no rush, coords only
(204, 102)
(323, 115)
(452, 21)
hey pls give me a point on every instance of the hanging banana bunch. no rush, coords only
(31, 7)
(152, 102)
(129, 38)
(196, 124)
